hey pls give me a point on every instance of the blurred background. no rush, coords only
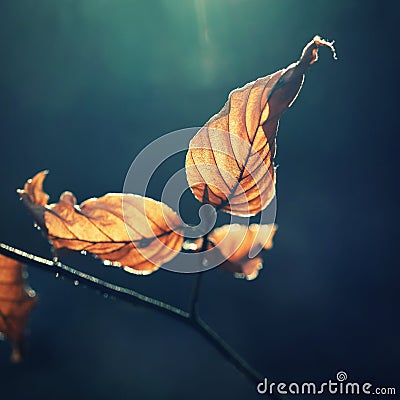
(86, 84)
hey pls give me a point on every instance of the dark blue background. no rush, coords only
(85, 85)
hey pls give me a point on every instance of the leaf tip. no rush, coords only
(68, 198)
(33, 189)
(325, 43)
(310, 52)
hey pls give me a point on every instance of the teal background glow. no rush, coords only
(85, 85)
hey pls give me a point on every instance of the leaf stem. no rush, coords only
(137, 298)
(194, 303)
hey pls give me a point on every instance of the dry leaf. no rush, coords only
(16, 303)
(230, 160)
(135, 232)
(240, 246)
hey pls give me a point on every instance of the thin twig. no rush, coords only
(136, 298)
(93, 282)
(194, 301)
(228, 352)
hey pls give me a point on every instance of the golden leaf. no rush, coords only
(16, 303)
(240, 246)
(230, 160)
(135, 232)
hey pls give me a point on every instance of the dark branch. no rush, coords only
(125, 294)
(194, 301)
(136, 298)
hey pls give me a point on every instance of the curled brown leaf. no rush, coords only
(240, 246)
(230, 160)
(16, 303)
(135, 232)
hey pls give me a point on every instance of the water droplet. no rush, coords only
(76, 283)
(205, 262)
(189, 246)
(57, 274)
(107, 262)
(84, 252)
(105, 295)
(35, 225)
